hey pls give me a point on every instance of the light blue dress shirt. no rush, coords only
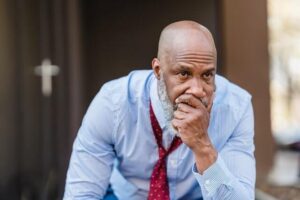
(115, 144)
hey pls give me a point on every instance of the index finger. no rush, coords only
(190, 100)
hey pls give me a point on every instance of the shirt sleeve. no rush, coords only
(232, 176)
(93, 155)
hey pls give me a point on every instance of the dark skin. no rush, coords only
(189, 66)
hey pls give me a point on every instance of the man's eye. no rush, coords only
(208, 75)
(184, 74)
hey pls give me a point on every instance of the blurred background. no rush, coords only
(56, 54)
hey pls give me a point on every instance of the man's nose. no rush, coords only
(196, 88)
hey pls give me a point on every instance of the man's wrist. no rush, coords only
(205, 154)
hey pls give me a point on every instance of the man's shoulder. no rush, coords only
(131, 87)
(231, 94)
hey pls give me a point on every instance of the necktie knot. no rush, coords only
(162, 152)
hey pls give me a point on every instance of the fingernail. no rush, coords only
(204, 102)
(175, 107)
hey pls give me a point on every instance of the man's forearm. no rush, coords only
(204, 153)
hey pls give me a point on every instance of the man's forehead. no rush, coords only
(193, 49)
(205, 56)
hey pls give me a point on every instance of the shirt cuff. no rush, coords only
(213, 177)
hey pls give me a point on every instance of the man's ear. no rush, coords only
(156, 67)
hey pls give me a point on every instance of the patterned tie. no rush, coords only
(159, 188)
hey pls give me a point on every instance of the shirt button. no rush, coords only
(207, 183)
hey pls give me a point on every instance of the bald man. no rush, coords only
(178, 131)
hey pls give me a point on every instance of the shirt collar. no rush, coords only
(156, 105)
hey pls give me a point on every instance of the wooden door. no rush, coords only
(37, 127)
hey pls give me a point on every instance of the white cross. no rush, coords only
(46, 71)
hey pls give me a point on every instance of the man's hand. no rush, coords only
(191, 119)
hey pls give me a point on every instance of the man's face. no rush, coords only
(186, 66)
(189, 72)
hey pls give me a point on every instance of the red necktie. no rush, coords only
(159, 188)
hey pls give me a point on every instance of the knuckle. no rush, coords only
(198, 115)
(179, 107)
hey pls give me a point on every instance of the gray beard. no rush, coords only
(167, 106)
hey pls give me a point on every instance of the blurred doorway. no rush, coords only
(34, 129)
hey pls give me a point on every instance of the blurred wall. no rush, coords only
(246, 62)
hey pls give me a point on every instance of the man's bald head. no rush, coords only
(185, 35)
